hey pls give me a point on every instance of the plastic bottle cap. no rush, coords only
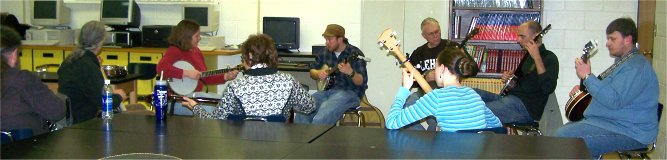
(106, 81)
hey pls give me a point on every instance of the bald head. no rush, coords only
(532, 26)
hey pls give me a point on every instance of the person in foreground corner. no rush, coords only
(454, 106)
(263, 90)
(349, 84)
(622, 114)
(538, 78)
(26, 101)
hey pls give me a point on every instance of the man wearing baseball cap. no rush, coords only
(348, 82)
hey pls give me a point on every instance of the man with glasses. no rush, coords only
(423, 58)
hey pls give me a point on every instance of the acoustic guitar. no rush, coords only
(388, 41)
(512, 81)
(186, 85)
(579, 101)
(328, 82)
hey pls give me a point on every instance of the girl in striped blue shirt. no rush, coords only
(455, 107)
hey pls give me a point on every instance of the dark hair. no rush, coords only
(181, 35)
(533, 26)
(262, 48)
(625, 26)
(456, 62)
(9, 20)
(9, 41)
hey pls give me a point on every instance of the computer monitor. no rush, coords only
(49, 13)
(283, 30)
(120, 14)
(205, 15)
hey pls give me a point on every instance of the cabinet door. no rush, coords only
(25, 58)
(47, 57)
(114, 58)
(145, 87)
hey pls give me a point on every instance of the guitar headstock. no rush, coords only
(589, 50)
(542, 33)
(388, 42)
(468, 37)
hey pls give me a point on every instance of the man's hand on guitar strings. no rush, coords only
(533, 49)
(574, 90)
(583, 69)
(408, 78)
(192, 74)
(506, 75)
(323, 73)
(345, 68)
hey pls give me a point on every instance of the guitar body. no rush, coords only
(575, 107)
(185, 85)
(326, 83)
(509, 85)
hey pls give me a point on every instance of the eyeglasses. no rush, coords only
(431, 34)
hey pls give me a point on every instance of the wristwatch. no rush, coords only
(588, 75)
(352, 75)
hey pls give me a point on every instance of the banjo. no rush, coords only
(579, 101)
(185, 85)
(328, 82)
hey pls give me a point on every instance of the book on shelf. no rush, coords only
(473, 24)
(457, 27)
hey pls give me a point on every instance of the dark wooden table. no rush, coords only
(365, 143)
(198, 127)
(182, 137)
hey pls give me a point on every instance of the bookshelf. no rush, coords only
(494, 48)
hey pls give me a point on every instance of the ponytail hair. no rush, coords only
(456, 62)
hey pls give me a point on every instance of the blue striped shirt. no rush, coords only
(455, 108)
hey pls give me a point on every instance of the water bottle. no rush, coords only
(160, 99)
(107, 100)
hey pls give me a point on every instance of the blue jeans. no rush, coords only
(432, 123)
(509, 109)
(181, 110)
(330, 104)
(598, 140)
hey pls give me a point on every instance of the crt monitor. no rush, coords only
(49, 13)
(283, 30)
(120, 14)
(205, 15)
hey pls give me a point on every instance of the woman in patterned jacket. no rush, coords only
(263, 90)
(454, 106)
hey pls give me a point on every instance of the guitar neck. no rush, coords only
(418, 76)
(216, 72)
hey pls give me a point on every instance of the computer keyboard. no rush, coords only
(40, 42)
(206, 48)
